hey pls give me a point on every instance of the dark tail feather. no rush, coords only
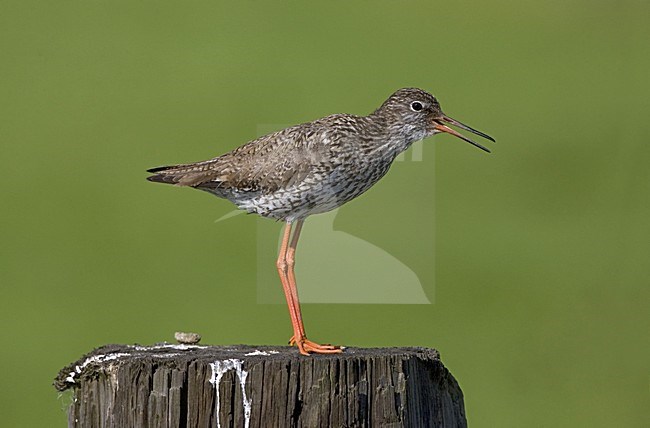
(180, 175)
(163, 178)
(161, 168)
(160, 179)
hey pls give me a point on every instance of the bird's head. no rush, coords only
(417, 114)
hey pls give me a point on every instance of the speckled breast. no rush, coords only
(317, 193)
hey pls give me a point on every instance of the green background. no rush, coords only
(541, 248)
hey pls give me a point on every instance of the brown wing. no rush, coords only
(264, 165)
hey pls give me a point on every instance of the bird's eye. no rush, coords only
(416, 106)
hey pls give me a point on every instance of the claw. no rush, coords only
(305, 346)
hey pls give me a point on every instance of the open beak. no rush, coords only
(440, 126)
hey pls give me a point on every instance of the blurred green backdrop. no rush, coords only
(541, 248)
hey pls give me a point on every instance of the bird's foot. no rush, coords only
(305, 346)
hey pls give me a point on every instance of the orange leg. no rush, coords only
(290, 258)
(285, 264)
(282, 270)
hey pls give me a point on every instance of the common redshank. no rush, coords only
(313, 168)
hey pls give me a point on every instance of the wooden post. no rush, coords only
(241, 386)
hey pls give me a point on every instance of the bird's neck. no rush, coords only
(394, 137)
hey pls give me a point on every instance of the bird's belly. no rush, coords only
(311, 196)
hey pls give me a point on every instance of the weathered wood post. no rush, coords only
(242, 386)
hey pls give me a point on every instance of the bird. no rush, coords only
(313, 168)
